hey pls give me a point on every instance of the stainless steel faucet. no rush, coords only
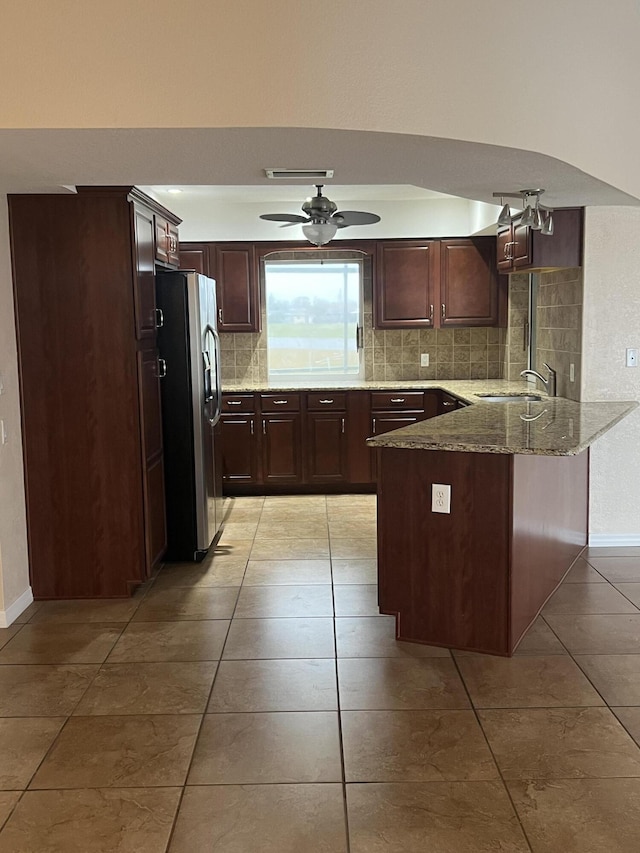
(549, 383)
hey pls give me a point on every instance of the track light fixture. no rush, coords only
(536, 217)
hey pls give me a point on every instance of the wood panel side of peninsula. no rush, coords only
(475, 579)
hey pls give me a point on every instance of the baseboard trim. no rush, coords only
(614, 540)
(9, 616)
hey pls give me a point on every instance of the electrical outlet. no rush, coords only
(424, 359)
(1, 383)
(440, 498)
(572, 372)
(632, 357)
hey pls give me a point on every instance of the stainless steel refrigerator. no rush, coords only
(191, 402)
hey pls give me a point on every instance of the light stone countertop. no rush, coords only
(554, 426)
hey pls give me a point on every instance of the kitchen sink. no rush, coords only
(510, 398)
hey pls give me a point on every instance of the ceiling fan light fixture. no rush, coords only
(319, 233)
(547, 225)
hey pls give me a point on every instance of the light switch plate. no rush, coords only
(632, 357)
(440, 498)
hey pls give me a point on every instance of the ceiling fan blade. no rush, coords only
(297, 222)
(284, 217)
(344, 218)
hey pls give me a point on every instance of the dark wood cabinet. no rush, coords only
(435, 283)
(194, 256)
(282, 448)
(233, 265)
(448, 403)
(240, 449)
(166, 241)
(405, 285)
(519, 248)
(327, 447)
(468, 288)
(83, 270)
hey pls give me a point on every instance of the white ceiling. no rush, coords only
(47, 160)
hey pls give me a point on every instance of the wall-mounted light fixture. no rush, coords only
(538, 218)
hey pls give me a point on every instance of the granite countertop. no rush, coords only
(552, 427)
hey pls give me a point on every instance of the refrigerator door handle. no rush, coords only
(208, 390)
(218, 388)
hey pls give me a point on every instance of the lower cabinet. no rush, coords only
(311, 440)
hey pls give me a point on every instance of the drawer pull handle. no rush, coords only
(162, 368)
(447, 404)
(397, 399)
(279, 402)
(159, 318)
(326, 401)
(234, 402)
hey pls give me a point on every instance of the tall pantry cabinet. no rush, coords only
(84, 287)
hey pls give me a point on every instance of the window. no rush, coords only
(313, 317)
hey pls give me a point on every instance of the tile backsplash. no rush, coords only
(466, 353)
(559, 327)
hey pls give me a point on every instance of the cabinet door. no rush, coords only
(152, 459)
(144, 283)
(504, 248)
(405, 284)
(521, 249)
(468, 283)
(173, 245)
(162, 239)
(239, 449)
(194, 258)
(326, 447)
(282, 448)
(234, 268)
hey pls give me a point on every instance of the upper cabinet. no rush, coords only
(406, 283)
(520, 249)
(194, 256)
(166, 241)
(435, 283)
(233, 265)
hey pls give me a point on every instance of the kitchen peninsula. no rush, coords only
(476, 577)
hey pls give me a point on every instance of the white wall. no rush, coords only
(15, 593)
(556, 78)
(611, 323)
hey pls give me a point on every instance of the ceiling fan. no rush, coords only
(322, 218)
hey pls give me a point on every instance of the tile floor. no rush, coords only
(257, 703)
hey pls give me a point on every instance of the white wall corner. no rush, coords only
(9, 616)
(614, 540)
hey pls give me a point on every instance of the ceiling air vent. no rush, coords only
(302, 174)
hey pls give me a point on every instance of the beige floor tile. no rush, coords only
(285, 819)
(7, 633)
(241, 512)
(616, 677)
(263, 602)
(274, 685)
(171, 641)
(108, 752)
(149, 688)
(24, 742)
(166, 605)
(400, 684)
(86, 610)
(241, 749)
(443, 817)
(8, 800)
(580, 598)
(291, 549)
(560, 743)
(272, 572)
(308, 501)
(580, 815)
(630, 591)
(234, 531)
(43, 691)
(279, 638)
(230, 550)
(613, 551)
(355, 571)
(582, 572)
(375, 637)
(365, 501)
(293, 514)
(358, 528)
(630, 719)
(540, 640)
(62, 642)
(415, 746)
(526, 682)
(98, 821)
(598, 634)
(356, 600)
(617, 569)
(28, 612)
(294, 528)
(219, 572)
(353, 549)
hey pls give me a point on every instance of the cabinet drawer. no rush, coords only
(280, 402)
(397, 400)
(320, 401)
(449, 403)
(238, 403)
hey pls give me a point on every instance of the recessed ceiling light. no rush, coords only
(174, 192)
